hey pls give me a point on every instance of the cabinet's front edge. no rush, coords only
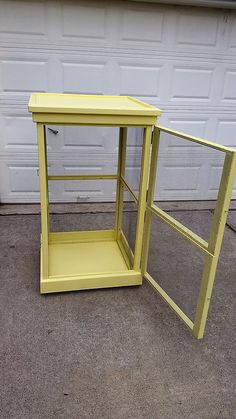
(109, 280)
(77, 119)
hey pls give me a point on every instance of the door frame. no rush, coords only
(211, 249)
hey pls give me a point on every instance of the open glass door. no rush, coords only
(210, 249)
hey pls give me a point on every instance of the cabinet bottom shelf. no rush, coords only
(85, 260)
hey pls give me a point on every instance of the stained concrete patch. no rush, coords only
(115, 353)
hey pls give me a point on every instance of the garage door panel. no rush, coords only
(190, 172)
(178, 82)
(85, 78)
(150, 24)
(134, 139)
(198, 29)
(146, 80)
(178, 179)
(229, 86)
(232, 34)
(23, 19)
(200, 125)
(89, 139)
(18, 133)
(93, 191)
(191, 83)
(178, 145)
(180, 59)
(21, 76)
(84, 20)
(194, 126)
(88, 189)
(205, 30)
(54, 138)
(226, 132)
(80, 191)
(195, 178)
(140, 81)
(19, 178)
(213, 180)
(23, 178)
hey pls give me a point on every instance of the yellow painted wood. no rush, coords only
(215, 241)
(128, 261)
(180, 228)
(85, 257)
(142, 197)
(211, 249)
(129, 189)
(81, 236)
(119, 197)
(127, 248)
(55, 108)
(197, 140)
(43, 173)
(94, 259)
(89, 104)
(150, 198)
(98, 120)
(83, 177)
(104, 280)
(84, 260)
(169, 301)
(97, 259)
(120, 174)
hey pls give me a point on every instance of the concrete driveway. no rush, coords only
(115, 353)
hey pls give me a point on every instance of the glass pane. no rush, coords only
(198, 221)
(129, 220)
(187, 171)
(176, 265)
(82, 222)
(81, 191)
(134, 158)
(82, 138)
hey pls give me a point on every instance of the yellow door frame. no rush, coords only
(211, 249)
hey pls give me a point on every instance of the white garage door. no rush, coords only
(181, 59)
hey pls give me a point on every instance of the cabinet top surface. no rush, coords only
(89, 104)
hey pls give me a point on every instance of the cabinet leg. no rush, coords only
(43, 181)
(142, 197)
(120, 172)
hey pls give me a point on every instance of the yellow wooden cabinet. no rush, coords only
(98, 259)
(84, 260)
